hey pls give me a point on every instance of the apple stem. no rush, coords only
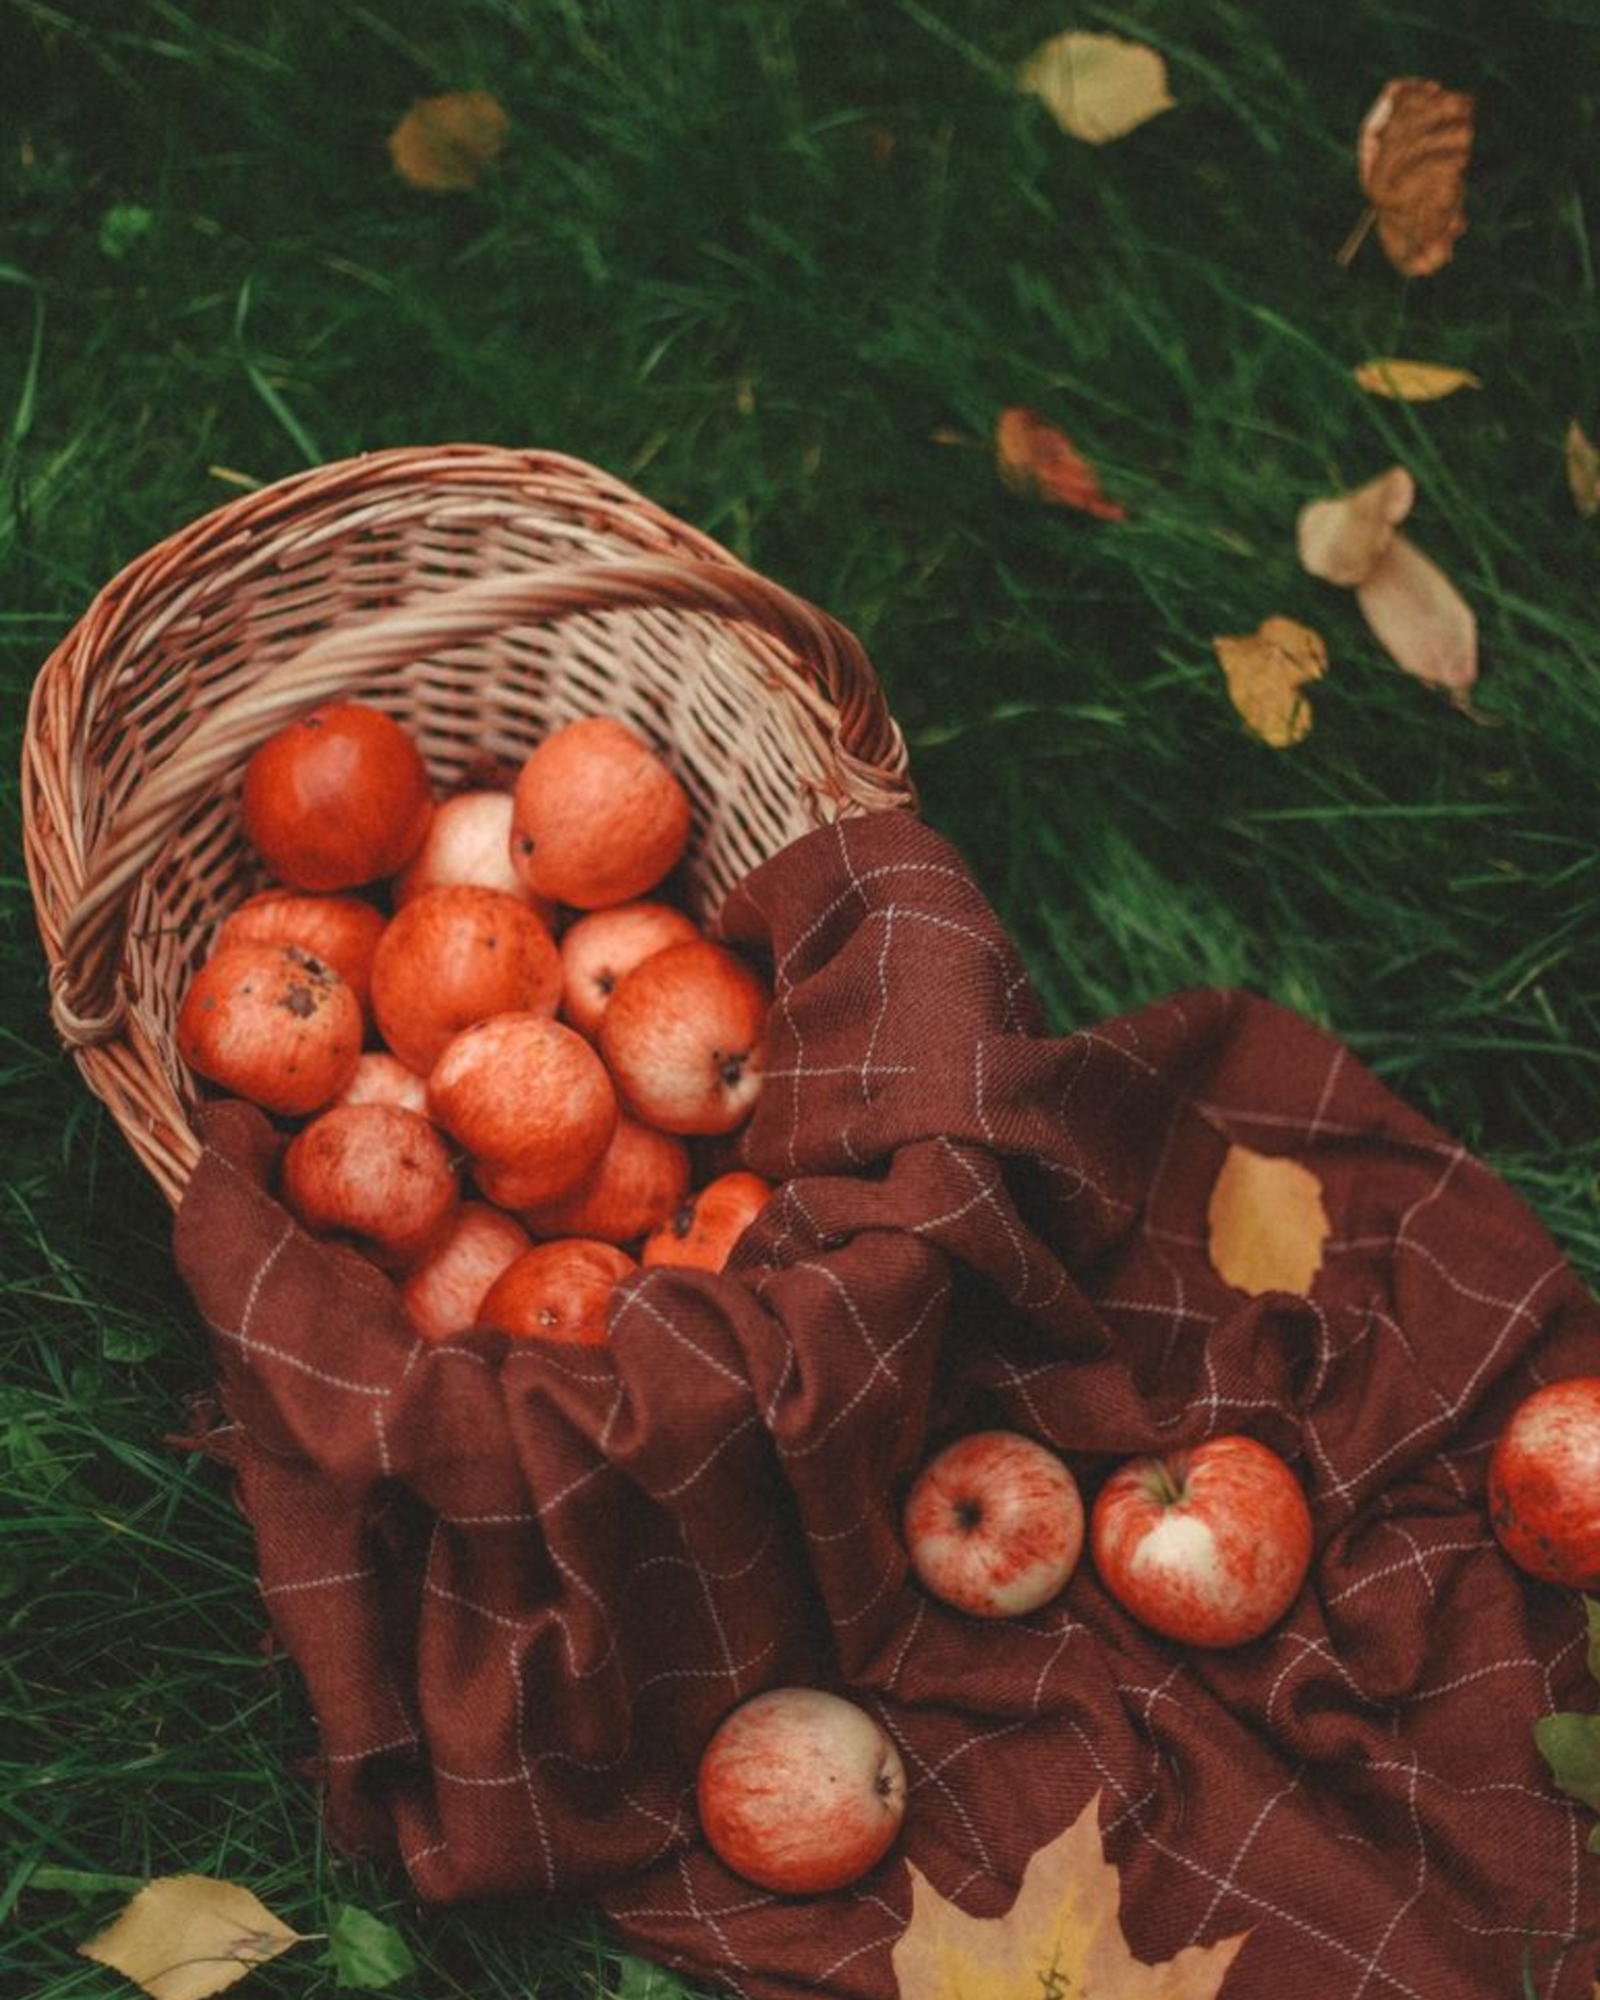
(1167, 1481)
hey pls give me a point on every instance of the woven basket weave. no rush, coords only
(479, 595)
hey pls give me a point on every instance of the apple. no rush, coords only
(702, 1230)
(597, 818)
(800, 1791)
(1544, 1483)
(642, 1178)
(557, 1291)
(527, 1097)
(442, 1294)
(343, 931)
(468, 842)
(270, 1023)
(1209, 1545)
(456, 955)
(684, 1038)
(336, 799)
(374, 1175)
(603, 947)
(994, 1524)
(380, 1078)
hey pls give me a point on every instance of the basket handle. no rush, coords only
(831, 667)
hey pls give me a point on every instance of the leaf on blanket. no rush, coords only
(184, 1937)
(1034, 457)
(1412, 156)
(1583, 470)
(1412, 381)
(1061, 1937)
(1266, 1223)
(446, 144)
(1342, 539)
(1266, 670)
(1570, 1743)
(1097, 87)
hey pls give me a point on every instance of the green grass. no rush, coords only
(697, 269)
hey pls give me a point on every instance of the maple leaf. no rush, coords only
(1583, 470)
(1062, 1936)
(1266, 670)
(1412, 157)
(1034, 457)
(184, 1937)
(1097, 87)
(446, 144)
(1412, 381)
(1265, 1223)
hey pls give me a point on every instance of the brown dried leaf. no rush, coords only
(1063, 1935)
(184, 1937)
(1034, 457)
(1266, 1224)
(1098, 87)
(1412, 156)
(1266, 670)
(1342, 540)
(1420, 619)
(1583, 470)
(1412, 381)
(446, 144)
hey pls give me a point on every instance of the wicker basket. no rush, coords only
(481, 596)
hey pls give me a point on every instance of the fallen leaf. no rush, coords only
(184, 1937)
(1266, 670)
(1412, 381)
(1419, 618)
(1034, 457)
(1098, 87)
(1062, 1936)
(367, 1954)
(1265, 1223)
(446, 144)
(1341, 540)
(1583, 470)
(1412, 156)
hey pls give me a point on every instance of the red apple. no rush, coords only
(528, 1098)
(380, 1078)
(557, 1291)
(994, 1524)
(702, 1230)
(343, 931)
(271, 1023)
(336, 799)
(468, 843)
(597, 816)
(1209, 1545)
(375, 1175)
(1544, 1483)
(684, 1038)
(454, 956)
(602, 948)
(800, 1791)
(443, 1294)
(642, 1177)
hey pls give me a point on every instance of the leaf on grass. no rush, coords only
(1265, 1223)
(1583, 470)
(1412, 381)
(1063, 1935)
(184, 1937)
(1341, 540)
(124, 224)
(1034, 457)
(1097, 87)
(1266, 670)
(638, 1979)
(365, 1952)
(1412, 157)
(446, 144)
(1419, 618)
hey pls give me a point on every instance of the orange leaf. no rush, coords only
(1412, 156)
(1063, 1935)
(1420, 619)
(446, 144)
(1341, 540)
(1266, 670)
(1266, 1224)
(1034, 457)
(1583, 470)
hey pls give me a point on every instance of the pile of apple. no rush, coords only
(501, 1047)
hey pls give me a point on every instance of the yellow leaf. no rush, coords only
(1583, 470)
(1266, 670)
(1265, 1223)
(1419, 617)
(1098, 87)
(445, 144)
(1343, 539)
(1063, 1935)
(186, 1936)
(1412, 381)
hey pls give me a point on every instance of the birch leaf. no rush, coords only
(1097, 87)
(1266, 1223)
(1420, 619)
(184, 1937)
(1583, 470)
(446, 144)
(1412, 381)
(1266, 670)
(1342, 540)
(1063, 1935)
